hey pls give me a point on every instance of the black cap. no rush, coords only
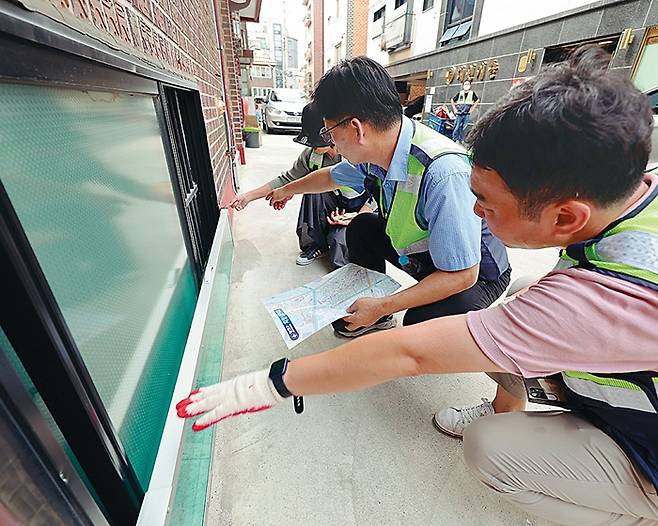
(311, 124)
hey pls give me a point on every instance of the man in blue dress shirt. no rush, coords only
(421, 180)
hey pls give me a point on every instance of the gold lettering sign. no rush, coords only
(481, 70)
(472, 71)
(493, 69)
(461, 73)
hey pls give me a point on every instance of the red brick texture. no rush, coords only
(318, 40)
(181, 36)
(359, 29)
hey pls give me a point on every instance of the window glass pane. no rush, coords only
(448, 34)
(646, 75)
(460, 9)
(462, 29)
(87, 175)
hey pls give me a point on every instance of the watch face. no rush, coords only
(279, 367)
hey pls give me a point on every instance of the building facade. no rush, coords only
(314, 38)
(262, 70)
(430, 47)
(335, 31)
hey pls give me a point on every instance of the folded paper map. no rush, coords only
(303, 311)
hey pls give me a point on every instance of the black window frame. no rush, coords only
(39, 50)
(381, 12)
(427, 5)
(399, 3)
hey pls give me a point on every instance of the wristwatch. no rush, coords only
(277, 370)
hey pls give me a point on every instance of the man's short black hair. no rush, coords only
(574, 130)
(361, 88)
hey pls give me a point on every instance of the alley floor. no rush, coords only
(365, 458)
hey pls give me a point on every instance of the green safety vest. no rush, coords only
(407, 233)
(466, 97)
(315, 162)
(624, 405)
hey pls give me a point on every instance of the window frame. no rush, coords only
(454, 26)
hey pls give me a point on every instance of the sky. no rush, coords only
(290, 12)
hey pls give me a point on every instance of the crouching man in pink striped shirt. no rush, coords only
(557, 162)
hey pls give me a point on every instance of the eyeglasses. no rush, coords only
(325, 132)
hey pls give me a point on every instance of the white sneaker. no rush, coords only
(453, 421)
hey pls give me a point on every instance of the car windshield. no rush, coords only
(288, 95)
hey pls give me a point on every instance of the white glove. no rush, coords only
(248, 393)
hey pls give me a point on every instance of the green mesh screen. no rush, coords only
(86, 173)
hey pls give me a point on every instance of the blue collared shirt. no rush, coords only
(445, 204)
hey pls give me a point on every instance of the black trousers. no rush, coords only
(369, 246)
(314, 231)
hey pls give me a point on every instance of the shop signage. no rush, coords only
(478, 70)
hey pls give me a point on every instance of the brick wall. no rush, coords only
(178, 36)
(318, 40)
(357, 28)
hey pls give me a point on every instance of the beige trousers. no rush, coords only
(558, 466)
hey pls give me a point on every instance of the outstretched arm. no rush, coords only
(441, 345)
(314, 183)
(242, 200)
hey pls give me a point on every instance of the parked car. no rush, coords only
(283, 110)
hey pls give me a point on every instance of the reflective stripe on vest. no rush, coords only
(616, 392)
(315, 162)
(466, 97)
(407, 235)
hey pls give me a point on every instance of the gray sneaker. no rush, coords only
(453, 421)
(309, 256)
(383, 323)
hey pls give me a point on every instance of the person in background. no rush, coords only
(323, 218)
(462, 105)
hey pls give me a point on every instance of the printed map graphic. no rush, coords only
(303, 311)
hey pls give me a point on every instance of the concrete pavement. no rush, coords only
(365, 458)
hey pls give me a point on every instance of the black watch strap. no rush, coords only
(277, 370)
